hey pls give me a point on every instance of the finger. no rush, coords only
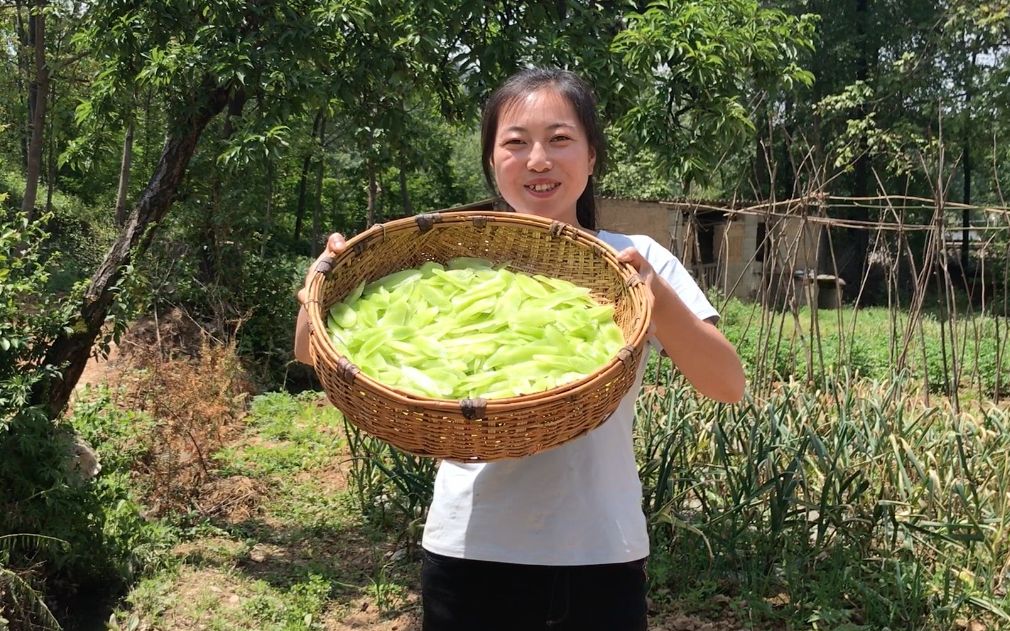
(302, 295)
(336, 243)
(632, 257)
(627, 254)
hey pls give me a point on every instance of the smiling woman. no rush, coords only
(541, 142)
(542, 159)
(558, 539)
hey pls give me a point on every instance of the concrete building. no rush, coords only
(741, 249)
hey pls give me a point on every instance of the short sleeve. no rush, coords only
(669, 268)
(674, 272)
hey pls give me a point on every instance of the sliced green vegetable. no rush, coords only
(470, 329)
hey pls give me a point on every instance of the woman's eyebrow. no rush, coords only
(519, 128)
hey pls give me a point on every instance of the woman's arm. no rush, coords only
(697, 348)
(302, 332)
(334, 245)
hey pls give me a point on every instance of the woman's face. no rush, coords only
(542, 159)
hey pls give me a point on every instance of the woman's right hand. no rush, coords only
(335, 245)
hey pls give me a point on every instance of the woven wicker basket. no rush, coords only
(478, 429)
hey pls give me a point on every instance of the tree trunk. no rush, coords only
(860, 185)
(303, 182)
(373, 193)
(70, 351)
(408, 209)
(23, 76)
(858, 240)
(38, 93)
(124, 174)
(216, 226)
(300, 207)
(148, 153)
(51, 153)
(268, 221)
(966, 198)
(317, 201)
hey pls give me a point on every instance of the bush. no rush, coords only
(268, 296)
(91, 532)
(29, 316)
(196, 404)
(253, 305)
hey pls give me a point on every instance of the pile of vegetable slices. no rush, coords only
(470, 329)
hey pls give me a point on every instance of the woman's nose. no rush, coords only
(538, 160)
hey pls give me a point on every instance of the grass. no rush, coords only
(283, 435)
(303, 559)
(818, 345)
(852, 506)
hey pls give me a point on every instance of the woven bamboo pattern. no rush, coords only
(478, 429)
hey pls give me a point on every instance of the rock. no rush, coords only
(83, 463)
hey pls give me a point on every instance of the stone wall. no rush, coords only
(792, 243)
(629, 216)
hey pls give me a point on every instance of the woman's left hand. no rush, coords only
(696, 347)
(645, 271)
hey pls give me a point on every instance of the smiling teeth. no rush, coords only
(542, 188)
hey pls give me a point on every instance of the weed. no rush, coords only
(386, 593)
(197, 404)
(285, 434)
(858, 503)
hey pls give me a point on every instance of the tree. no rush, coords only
(369, 64)
(689, 68)
(38, 94)
(196, 58)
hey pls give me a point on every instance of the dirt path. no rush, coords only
(99, 371)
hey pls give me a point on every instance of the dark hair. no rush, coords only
(578, 93)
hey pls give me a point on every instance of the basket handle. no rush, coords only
(473, 409)
(324, 265)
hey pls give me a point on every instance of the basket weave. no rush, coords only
(478, 429)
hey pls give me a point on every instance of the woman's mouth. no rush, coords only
(542, 188)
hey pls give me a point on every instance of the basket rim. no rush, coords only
(630, 276)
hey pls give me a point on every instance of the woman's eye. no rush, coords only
(513, 141)
(560, 138)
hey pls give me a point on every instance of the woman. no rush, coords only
(558, 540)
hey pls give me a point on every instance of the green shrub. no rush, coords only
(107, 539)
(267, 294)
(254, 304)
(29, 316)
(104, 536)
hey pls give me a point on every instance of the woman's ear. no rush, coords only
(592, 161)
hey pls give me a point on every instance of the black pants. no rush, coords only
(466, 595)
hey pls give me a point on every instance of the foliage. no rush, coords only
(18, 598)
(253, 307)
(98, 524)
(635, 174)
(853, 505)
(29, 315)
(105, 541)
(690, 65)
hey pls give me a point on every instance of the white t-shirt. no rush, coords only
(577, 504)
